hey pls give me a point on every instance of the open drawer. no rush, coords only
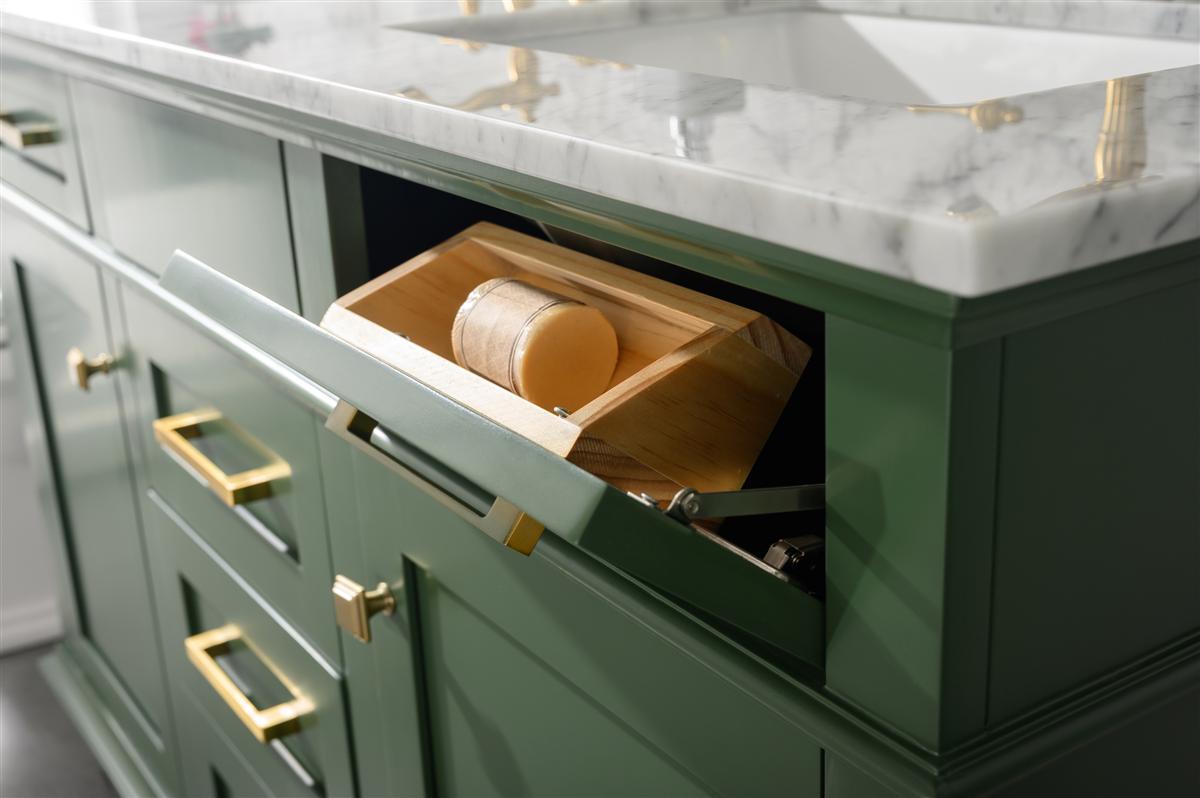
(505, 484)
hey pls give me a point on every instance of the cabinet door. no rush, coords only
(540, 675)
(64, 308)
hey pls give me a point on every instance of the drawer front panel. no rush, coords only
(162, 179)
(540, 685)
(278, 541)
(267, 663)
(213, 768)
(39, 154)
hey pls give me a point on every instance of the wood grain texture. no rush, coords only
(699, 382)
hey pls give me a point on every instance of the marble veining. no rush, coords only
(929, 198)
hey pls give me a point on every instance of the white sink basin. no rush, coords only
(894, 59)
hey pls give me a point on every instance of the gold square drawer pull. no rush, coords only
(22, 129)
(265, 724)
(175, 434)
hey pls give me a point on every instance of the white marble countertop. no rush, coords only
(924, 197)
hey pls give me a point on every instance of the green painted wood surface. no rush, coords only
(535, 680)
(177, 369)
(384, 687)
(161, 179)
(214, 767)
(505, 724)
(199, 590)
(910, 447)
(64, 306)
(1098, 495)
(48, 172)
(1151, 753)
(843, 780)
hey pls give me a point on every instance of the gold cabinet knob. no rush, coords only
(82, 367)
(354, 605)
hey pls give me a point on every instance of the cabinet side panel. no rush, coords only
(1098, 506)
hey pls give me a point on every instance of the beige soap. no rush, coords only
(549, 349)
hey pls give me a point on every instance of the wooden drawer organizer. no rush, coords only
(699, 382)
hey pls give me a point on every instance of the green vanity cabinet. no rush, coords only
(67, 310)
(1011, 517)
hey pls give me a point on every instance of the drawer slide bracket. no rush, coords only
(690, 505)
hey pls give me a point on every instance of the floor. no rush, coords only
(41, 753)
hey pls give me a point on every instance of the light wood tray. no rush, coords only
(699, 382)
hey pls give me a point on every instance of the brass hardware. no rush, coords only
(173, 433)
(1121, 146)
(523, 91)
(987, 115)
(503, 522)
(21, 129)
(354, 605)
(1120, 155)
(82, 367)
(265, 724)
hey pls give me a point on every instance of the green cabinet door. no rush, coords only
(542, 675)
(64, 309)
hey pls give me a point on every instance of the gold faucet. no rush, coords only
(523, 91)
(1120, 154)
(1121, 147)
(986, 115)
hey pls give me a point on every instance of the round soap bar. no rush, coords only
(549, 349)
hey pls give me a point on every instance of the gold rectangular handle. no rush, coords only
(504, 522)
(21, 129)
(265, 724)
(174, 432)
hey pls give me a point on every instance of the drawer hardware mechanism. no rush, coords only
(82, 368)
(175, 433)
(21, 129)
(267, 724)
(690, 505)
(354, 605)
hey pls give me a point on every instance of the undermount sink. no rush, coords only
(888, 58)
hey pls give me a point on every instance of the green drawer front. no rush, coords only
(279, 542)
(538, 684)
(270, 663)
(162, 179)
(214, 767)
(47, 170)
